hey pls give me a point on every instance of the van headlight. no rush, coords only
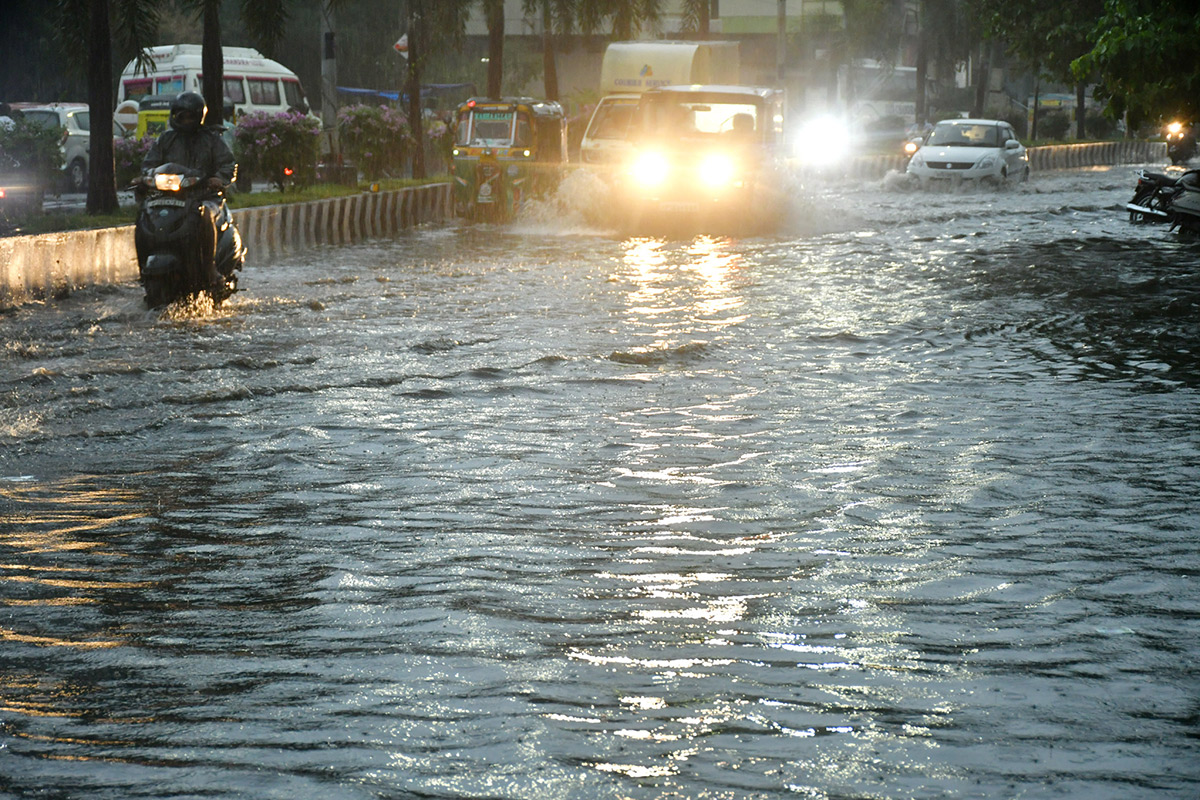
(717, 170)
(650, 169)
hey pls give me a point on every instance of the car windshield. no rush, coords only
(612, 120)
(699, 119)
(958, 135)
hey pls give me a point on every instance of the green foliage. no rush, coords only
(375, 138)
(1099, 126)
(34, 150)
(281, 148)
(1054, 125)
(1145, 59)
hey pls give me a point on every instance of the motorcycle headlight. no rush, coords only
(1175, 128)
(717, 169)
(650, 169)
(168, 182)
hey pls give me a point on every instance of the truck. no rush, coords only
(631, 68)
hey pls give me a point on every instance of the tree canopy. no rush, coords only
(1146, 59)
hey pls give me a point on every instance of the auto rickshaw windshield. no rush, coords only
(485, 128)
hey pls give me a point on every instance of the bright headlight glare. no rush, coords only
(167, 182)
(1175, 127)
(823, 140)
(717, 169)
(650, 169)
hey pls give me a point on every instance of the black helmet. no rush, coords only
(188, 112)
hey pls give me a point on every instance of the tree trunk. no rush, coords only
(212, 62)
(922, 65)
(102, 190)
(983, 79)
(495, 23)
(416, 51)
(1037, 99)
(549, 64)
(1080, 111)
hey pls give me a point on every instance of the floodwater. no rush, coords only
(900, 501)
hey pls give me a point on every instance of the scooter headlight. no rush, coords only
(168, 182)
(650, 169)
(1174, 128)
(717, 170)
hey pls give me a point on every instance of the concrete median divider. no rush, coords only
(54, 264)
(1058, 156)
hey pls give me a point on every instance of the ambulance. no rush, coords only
(252, 81)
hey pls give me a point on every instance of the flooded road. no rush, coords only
(900, 502)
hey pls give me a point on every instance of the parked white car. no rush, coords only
(972, 149)
(75, 120)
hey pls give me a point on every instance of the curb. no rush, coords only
(54, 264)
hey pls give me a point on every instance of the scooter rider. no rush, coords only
(190, 143)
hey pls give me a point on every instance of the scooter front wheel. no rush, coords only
(159, 292)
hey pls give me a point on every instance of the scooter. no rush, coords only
(1185, 206)
(1152, 197)
(1181, 142)
(167, 237)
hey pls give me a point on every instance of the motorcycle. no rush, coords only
(167, 238)
(1185, 206)
(1151, 201)
(1181, 142)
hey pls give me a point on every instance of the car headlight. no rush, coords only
(650, 169)
(987, 162)
(717, 169)
(917, 160)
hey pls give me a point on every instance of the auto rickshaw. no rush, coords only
(154, 114)
(506, 151)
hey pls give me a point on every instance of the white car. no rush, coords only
(75, 122)
(973, 149)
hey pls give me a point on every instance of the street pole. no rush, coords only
(781, 40)
(329, 78)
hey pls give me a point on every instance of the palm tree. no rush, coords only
(430, 22)
(134, 22)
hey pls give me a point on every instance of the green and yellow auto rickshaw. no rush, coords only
(505, 152)
(154, 114)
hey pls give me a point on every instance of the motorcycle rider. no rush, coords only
(190, 143)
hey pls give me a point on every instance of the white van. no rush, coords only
(252, 81)
(630, 68)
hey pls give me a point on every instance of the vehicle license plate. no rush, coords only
(167, 201)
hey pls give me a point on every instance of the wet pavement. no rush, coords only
(898, 501)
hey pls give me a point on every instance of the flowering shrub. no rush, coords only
(129, 153)
(282, 148)
(440, 135)
(375, 138)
